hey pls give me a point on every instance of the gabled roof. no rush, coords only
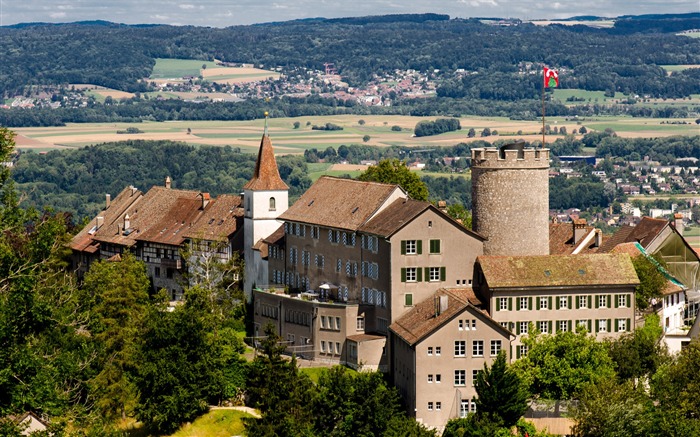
(266, 176)
(341, 203)
(644, 233)
(421, 320)
(222, 217)
(561, 239)
(518, 272)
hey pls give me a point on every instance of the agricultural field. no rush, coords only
(287, 140)
(174, 70)
(670, 68)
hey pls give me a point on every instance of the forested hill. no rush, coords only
(627, 56)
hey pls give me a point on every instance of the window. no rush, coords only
(524, 304)
(430, 350)
(473, 324)
(522, 350)
(503, 303)
(438, 349)
(478, 348)
(337, 348)
(582, 323)
(621, 324)
(543, 326)
(475, 374)
(410, 247)
(411, 275)
(408, 299)
(434, 274)
(523, 327)
(315, 232)
(460, 377)
(563, 325)
(622, 300)
(495, 347)
(438, 406)
(603, 325)
(460, 348)
(463, 409)
(438, 378)
(434, 246)
(157, 272)
(323, 347)
(583, 302)
(273, 204)
(461, 325)
(339, 265)
(563, 302)
(544, 303)
(337, 323)
(360, 323)
(602, 301)
(323, 322)
(430, 379)
(430, 406)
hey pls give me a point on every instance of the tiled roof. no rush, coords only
(340, 203)
(162, 215)
(266, 175)
(394, 217)
(359, 338)
(276, 237)
(561, 239)
(421, 320)
(557, 270)
(647, 229)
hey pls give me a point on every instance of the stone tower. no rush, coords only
(265, 197)
(510, 199)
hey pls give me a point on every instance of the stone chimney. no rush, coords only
(168, 182)
(205, 199)
(127, 222)
(442, 206)
(678, 223)
(579, 229)
(108, 200)
(598, 238)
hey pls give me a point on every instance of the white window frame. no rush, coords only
(543, 326)
(544, 303)
(524, 327)
(622, 301)
(602, 301)
(478, 348)
(524, 301)
(583, 302)
(496, 347)
(603, 325)
(563, 326)
(460, 378)
(563, 302)
(434, 274)
(621, 325)
(411, 274)
(503, 304)
(411, 247)
(460, 348)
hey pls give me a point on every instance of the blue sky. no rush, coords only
(222, 13)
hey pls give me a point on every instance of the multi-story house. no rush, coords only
(365, 246)
(438, 347)
(558, 293)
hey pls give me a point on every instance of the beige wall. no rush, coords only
(415, 367)
(458, 252)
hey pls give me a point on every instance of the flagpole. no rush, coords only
(543, 87)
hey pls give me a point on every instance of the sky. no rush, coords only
(223, 13)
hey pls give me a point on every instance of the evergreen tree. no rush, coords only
(500, 392)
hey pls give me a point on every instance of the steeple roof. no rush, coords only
(266, 176)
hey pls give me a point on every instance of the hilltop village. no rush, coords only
(359, 274)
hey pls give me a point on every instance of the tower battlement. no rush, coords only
(514, 158)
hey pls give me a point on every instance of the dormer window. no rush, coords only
(273, 204)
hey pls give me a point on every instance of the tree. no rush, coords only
(486, 132)
(396, 128)
(471, 133)
(296, 125)
(119, 290)
(458, 212)
(500, 392)
(366, 138)
(651, 280)
(640, 353)
(361, 122)
(393, 171)
(559, 366)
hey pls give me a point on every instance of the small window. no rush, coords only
(438, 378)
(563, 325)
(323, 347)
(621, 325)
(337, 348)
(503, 303)
(430, 379)
(563, 302)
(434, 246)
(430, 350)
(337, 323)
(438, 350)
(438, 406)
(523, 327)
(411, 247)
(460, 377)
(434, 274)
(273, 204)
(411, 274)
(408, 299)
(430, 406)
(603, 325)
(157, 273)
(360, 323)
(544, 303)
(621, 300)
(543, 326)
(524, 304)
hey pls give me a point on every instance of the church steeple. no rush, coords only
(266, 175)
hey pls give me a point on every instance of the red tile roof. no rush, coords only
(266, 175)
(517, 272)
(645, 232)
(561, 239)
(340, 203)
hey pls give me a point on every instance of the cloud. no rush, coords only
(57, 15)
(186, 6)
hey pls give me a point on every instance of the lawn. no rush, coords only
(217, 423)
(177, 68)
(563, 94)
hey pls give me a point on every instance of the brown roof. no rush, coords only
(557, 270)
(340, 203)
(647, 229)
(359, 338)
(421, 320)
(630, 249)
(561, 239)
(394, 217)
(222, 217)
(276, 237)
(266, 175)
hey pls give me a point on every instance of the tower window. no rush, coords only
(273, 204)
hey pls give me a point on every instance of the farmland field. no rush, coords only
(246, 134)
(174, 70)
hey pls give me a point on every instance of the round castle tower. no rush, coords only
(510, 199)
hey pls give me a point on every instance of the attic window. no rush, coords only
(547, 273)
(355, 210)
(581, 272)
(211, 221)
(311, 203)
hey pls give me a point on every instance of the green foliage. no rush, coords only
(437, 127)
(559, 366)
(640, 353)
(327, 126)
(651, 280)
(393, 171)
(500, 393)
(458, 212)
(366, 138)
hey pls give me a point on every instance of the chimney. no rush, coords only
(100, 221)
(443, 303)
(205, 199)
(168, 182)
(579, 229)
(108, 200)
(678, 223)
(127, 222)
(442, 206)
(133, 189)
(598, 238)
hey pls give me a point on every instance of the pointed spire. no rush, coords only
(266, 117)
(266, 175)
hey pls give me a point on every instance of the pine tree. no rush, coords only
(500, 393)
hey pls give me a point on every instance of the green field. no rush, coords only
(589, 96)
(176, 68)
(678, 67)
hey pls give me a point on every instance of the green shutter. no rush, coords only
(549, 325)
(529, 303)
(497, 303)
(549, 301)
(556, 325)
(403, 247)
(517, 304)
(557, 303)
(570, 325)
(419, 272)
(609, 305)
(628, 301)
(537, 303)
(517, 351)
(597, 301)
(609, 325)
(437, 246)
(427, 273)
(403, 274)
(510, 304)
(597, 326)
(590, 301)
(578, 302)
(590, 326)
(517, 327)
(568, 303)
(629, 325)
(616, 301)
(408, 299)
(419, 245)
(442, 273)
(617, 325)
